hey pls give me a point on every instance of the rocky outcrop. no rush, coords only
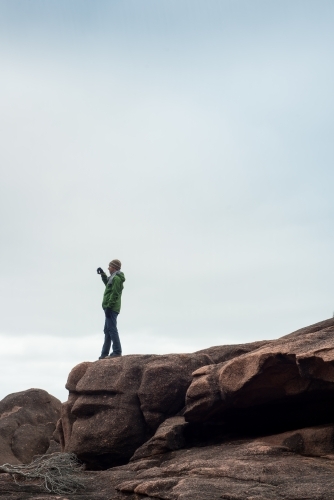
(124, 407)
(116, 405)
(250, 422)
(27, 422)
(232, 470)
(286, 384)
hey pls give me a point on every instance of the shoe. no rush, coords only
(103, 357)
(114, 355)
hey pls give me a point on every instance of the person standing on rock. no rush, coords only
(112, 305)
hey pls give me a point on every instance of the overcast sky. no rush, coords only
(192, 140)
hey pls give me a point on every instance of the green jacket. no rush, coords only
(113, 292)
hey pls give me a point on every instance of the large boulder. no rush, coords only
(283, 385)
(115, 405)
(27, 423)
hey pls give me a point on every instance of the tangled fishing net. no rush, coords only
(58, 473)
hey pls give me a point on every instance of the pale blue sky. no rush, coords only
(193, 140)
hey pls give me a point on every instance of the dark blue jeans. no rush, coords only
(111, 335)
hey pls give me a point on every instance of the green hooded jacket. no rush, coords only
(113, 292)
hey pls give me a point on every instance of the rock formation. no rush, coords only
(250, 422)
(232, 470)
(27, 423)
(116, 405)
(286, 384)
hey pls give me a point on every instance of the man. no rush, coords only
(112, 305)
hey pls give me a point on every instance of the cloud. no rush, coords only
(192, 142)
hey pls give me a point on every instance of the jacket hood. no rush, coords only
(120, 275)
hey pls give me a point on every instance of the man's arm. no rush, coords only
(104, 278)
(103, 275)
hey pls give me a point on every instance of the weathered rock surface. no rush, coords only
(233, 470)
(169, 436)
(116, 405)
(286, 384)
(251, 422)
(312, 441)
(27, 422)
